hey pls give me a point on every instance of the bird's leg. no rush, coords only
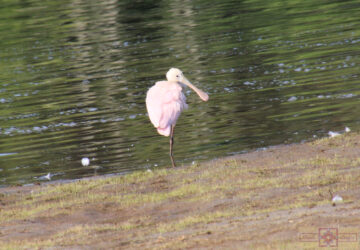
(171, 145)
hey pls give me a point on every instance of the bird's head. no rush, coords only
(176, 75)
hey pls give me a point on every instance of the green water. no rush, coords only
(74, 76)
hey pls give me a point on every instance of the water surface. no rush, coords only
(74, 76)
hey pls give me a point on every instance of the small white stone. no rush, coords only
(48, 176)
(337, 199)
(292, 99)
(85, 161)
(45, 177)
(333, 134)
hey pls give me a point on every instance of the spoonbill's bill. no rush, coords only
(165, 101)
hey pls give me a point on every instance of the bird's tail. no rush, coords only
(164, 131)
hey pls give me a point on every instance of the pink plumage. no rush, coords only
(165, 101)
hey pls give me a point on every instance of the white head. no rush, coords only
(176, 75)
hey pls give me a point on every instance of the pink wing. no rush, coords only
(164, 102)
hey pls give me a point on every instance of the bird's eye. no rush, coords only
(177, 76)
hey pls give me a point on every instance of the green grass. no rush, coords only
(192, 220)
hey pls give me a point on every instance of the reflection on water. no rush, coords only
(74, 75)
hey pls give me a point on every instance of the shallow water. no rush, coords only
(74, 75)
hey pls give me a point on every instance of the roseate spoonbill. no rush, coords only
(165, 101)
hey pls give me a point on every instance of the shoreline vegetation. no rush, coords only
(259, 200)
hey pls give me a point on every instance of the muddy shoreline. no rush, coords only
(271, 199)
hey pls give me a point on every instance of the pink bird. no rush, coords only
(165, 101)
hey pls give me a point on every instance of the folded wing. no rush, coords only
(164, 102)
